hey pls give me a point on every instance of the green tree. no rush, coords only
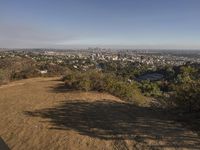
(187, 96)
(150, 88)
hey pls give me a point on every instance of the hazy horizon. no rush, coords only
(133, 24)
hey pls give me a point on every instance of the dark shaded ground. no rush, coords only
(3, 145)
(110, 120)
(60, 88)
(191, 121)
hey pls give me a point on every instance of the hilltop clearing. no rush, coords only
(36, 114)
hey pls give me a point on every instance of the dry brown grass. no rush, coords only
(36, 115)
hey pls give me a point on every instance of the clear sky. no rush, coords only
(102, 23)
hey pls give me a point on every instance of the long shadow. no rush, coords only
(3, 145)
(108, 120)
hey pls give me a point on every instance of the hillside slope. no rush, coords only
(37, 114)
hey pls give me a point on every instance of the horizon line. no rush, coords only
(96, 47)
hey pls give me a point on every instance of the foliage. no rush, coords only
(187, 95)
(98, 81)
(22, 68)
(3, 76)
(150, 88)
(186, 74)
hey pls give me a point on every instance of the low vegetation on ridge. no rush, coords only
(104, 82)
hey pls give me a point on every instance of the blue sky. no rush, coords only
(102, 23)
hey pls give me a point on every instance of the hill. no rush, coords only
(37, 114)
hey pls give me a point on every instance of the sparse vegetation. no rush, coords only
(23, 68)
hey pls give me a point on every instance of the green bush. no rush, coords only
(4, 76)
(150, 88)
(97, 81)
(187, 96)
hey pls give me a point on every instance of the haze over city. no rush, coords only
(172, 24)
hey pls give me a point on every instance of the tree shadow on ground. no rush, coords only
(3, 145)
(110, 120)
(60, 88)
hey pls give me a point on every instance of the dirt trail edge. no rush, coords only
(37, 114)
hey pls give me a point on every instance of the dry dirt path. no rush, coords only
(35, 114)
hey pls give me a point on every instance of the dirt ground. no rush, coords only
(38, 114)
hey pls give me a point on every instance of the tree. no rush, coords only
(150, 88)
(186, 74)
(187, 96)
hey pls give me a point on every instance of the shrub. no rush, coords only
(187, 96)
(4, 76)
(97, 81)
(150, 88)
